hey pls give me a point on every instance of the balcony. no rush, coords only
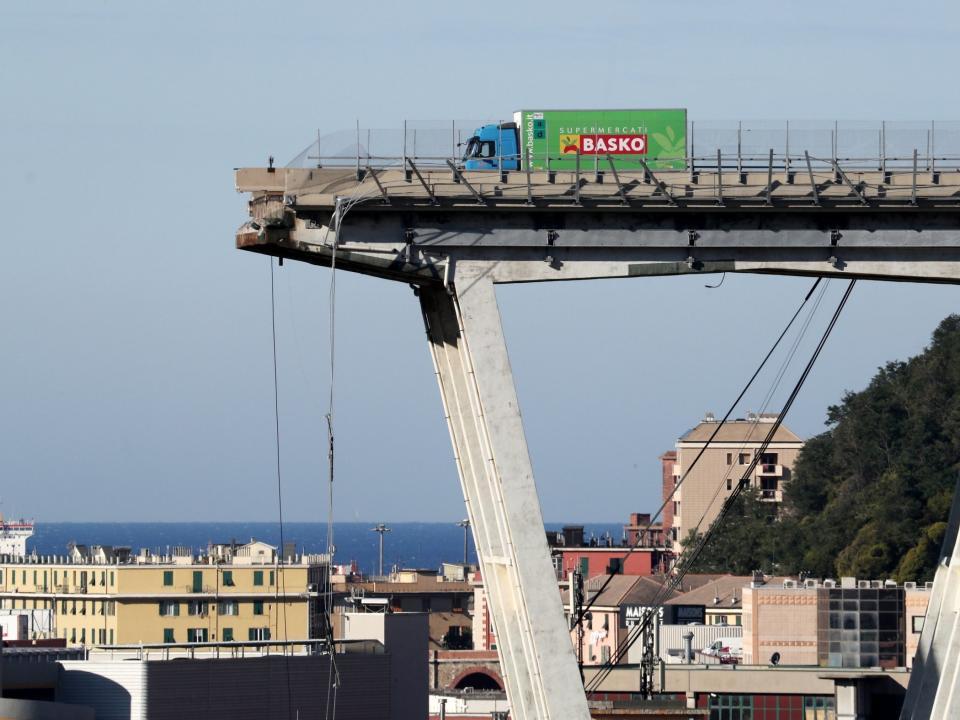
(765, 470)
(771, 495)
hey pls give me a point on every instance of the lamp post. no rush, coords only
(380, 529)
(465, 524)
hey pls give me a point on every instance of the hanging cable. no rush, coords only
(690, 558)
(713, 435)
(278, 563)
(333, 673)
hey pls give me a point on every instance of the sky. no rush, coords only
(135, 340)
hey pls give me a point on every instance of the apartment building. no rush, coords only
(724, 462)
(106, 596)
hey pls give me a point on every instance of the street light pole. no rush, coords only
(380, 529)
(465, 524)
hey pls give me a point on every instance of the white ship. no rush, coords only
(13, 536)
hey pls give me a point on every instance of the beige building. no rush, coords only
(724, 462)
(847, 624)
(105, 596)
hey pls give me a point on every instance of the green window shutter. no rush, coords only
(271, 578)
(228, 634)
(228, 577)
(197, 581)
(252, 634)
(584, 567)
(258, 607)
(176, 609)
(168, 578)
(258, 577)
(167, 635)
(266, 633)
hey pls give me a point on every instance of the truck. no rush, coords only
(548, 140)
(729, 650)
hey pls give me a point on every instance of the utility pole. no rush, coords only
(465, 524)
(380, 529)
(576, 614)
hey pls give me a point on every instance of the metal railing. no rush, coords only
(736, 147)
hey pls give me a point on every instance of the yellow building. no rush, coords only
(105, 596)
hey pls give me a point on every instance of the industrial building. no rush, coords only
(107, 596)
(847, 624)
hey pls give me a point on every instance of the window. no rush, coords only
(819, 708)
(169, 608)
(228, 635)
(196, 607)
(271, 578)
(744, 458)
(258, 607)
(731, 707)
(605, 654)
(729, 483)
(228, 578)
(63, 607)
(729, 458)
(769, 459)
(615, 567)
(167, 578)
(111, 579)
(258, 577)
(167, 635)
(111, 636)
(83, 635)
(918, 624)
(195, 635)
(73, 635)
(228, 607)
(197, 581)
(258, 634)
(487, 149)
(584, 567)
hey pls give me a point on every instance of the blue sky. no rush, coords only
(135, 373)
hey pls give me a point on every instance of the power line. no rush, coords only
(696, 459)
(689, 559)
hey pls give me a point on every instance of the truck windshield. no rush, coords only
(477, 148)
(471, 150)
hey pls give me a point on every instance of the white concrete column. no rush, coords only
(486, 429)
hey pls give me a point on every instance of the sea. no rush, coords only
(406, 545)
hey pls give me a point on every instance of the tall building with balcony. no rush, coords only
(725, 461)
(99, 595)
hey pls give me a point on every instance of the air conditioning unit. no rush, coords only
(909, 586)
(828, 583)
(863, 584)
(889, 583)
(789, 583)
(928, 585)
(810, 583)
(876, 584)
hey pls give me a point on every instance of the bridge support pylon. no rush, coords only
(486, 429)
(934, 689)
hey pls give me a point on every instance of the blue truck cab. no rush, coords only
(493, 147)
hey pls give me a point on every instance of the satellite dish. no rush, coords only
(775, 659)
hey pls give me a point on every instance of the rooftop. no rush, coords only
(751, 429)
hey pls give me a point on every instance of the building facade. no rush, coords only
(850, 624)
(94, 600)
(726, 459)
